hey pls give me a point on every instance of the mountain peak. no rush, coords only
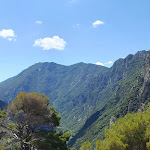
(86, 94)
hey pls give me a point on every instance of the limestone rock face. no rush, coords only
(142, 107)
(130, 108)
(145, 90)
(112, 120)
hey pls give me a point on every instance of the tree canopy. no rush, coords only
(129, 133)
(28, 117)
(86, 146)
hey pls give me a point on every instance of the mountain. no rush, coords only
(65, 85)
(87, 95)
(2, 105)
(126, 86)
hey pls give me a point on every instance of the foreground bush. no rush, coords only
(129, 133)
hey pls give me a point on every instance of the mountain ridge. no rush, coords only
(86, 95)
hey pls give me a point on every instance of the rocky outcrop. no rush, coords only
(130, 108)
(112, 120)
(145, 90)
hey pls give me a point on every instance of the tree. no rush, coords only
(2, 113)
(129, 133)
(53, 141)
(2, 132)
(30, 114)
(86, 146)
(73, 148)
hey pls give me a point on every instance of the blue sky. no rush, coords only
(70, 31)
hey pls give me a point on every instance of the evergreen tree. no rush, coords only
(31, 123)
(86, 146)
(129, 133)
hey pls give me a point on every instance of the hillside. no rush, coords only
(65, 85)
(2, 105)
(87, 95)
(125, 79)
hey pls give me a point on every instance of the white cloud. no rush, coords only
(108, 63)
(38, 22)
(76, 26)
(51, 43)
(97, 23)
(104, 64)
(99, 63)
(8, 34)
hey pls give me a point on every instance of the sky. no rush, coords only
(70, 31)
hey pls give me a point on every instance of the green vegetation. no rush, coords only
(30, 123)
(2, 113)
(86, 146)
(129, 133)
(52, 141)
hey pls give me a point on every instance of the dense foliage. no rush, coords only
(2, 113)
(52, 141)
(86, 146)
(131, 132)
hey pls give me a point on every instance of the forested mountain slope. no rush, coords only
(124, 85)
(2, 105)
(65, 85)
(87, 95)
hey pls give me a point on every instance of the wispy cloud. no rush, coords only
(38, 22)
(108, 63)
(72, 1)
(76, 26)
(8, 34)
(51, 43)
(97, 23)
